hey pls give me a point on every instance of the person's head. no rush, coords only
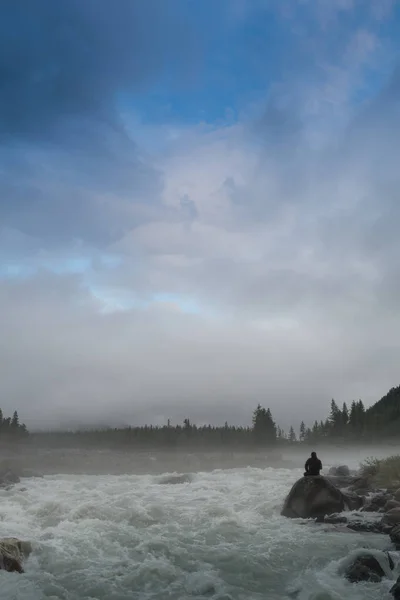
(313, 455)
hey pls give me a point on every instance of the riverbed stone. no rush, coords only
(8, 477)
(365, 568)
(339, 471)
(313, 497)
(391, 504)
(12, 554)
(391, 517)
(395, 536)
(395, 590)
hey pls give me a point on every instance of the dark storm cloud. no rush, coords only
(69, 59)
(66, 69)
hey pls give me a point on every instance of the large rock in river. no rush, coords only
(12, 554)
(313, 497)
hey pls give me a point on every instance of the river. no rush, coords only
(215, 535)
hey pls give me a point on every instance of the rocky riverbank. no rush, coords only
(356, 502)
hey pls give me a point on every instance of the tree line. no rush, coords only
(351, 423)
(10, 427)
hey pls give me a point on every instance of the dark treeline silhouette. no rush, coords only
(348, 424)
(11, 428)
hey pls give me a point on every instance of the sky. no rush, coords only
(199, 209)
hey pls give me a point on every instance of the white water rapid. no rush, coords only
(216, 535)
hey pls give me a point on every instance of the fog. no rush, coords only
(40, 459)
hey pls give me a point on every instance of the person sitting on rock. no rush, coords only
(313, 465)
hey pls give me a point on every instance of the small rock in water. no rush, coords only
(365, 568)
(335, 519)
(395, 590)
(8, 477)
(391, 563)
(365, 526)
(12, 553)
(340, 471)
(391, 504)
(353, 501)
(392, 517)
(395, 536)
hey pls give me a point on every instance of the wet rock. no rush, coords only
(12, 554)
(341, 481)
(175, 479)
(340, 471)
(365, 568)
(362, 526)
(353, 501)
(395, 590)
(392, 517)
(335, 519)
(360, 484)
(391, 504)
(390, 559)
(313, 497)
(396, 495)
(8, 477)
(376, 502)
(395, 536)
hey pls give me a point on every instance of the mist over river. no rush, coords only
(214, 534)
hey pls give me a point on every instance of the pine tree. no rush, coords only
(302, 434)
(335, 419)
(292, 435)
(264, 428)
(345, 415)
(353, 421)
(15, 420)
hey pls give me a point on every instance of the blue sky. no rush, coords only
(210, 186)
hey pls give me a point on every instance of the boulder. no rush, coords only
(353, 501)
(362, 526)
(391, 504)
(365, 568)
(313, 498)
(395, 536)
(392, 517)
(341, 481)
(396, 495)
(8, 477)
(335, 519)
(12, 554)
(340, 471)
(395, 590)
(376, 502)
(360, 483)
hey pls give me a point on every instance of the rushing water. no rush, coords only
(212, 535)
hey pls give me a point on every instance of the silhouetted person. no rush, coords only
(313, 465)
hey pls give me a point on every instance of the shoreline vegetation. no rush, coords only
(353, 424)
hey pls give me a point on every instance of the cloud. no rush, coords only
(69, 167)
(243, 261)
(77, 365)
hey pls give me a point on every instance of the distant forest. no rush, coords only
(10, 427)
(347, 424)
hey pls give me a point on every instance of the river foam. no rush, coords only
(212, 535)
